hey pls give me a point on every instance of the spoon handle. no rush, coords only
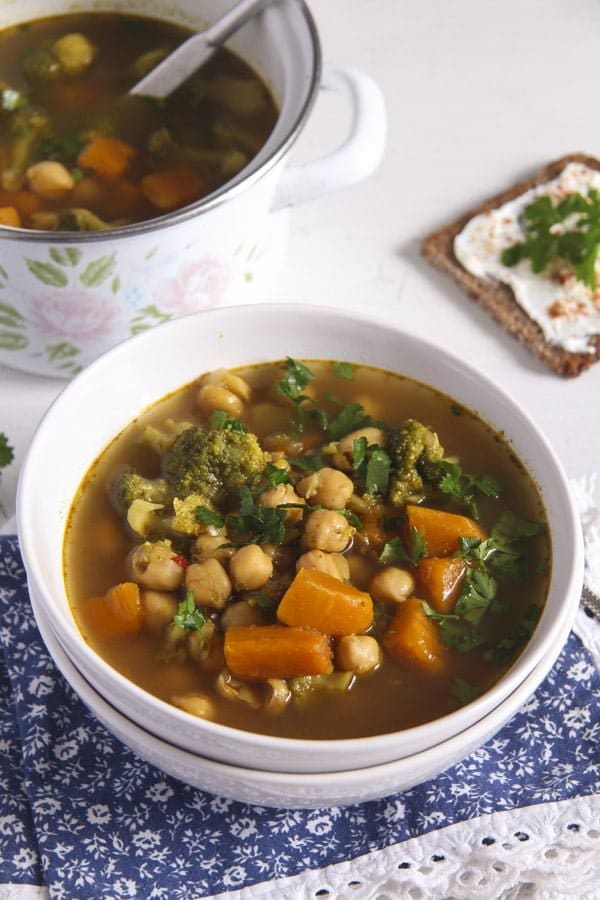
(195, 51)
(217, 33)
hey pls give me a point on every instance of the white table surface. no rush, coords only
(478, 94)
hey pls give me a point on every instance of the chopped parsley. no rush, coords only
(188, 615)
(371, 464)
(568, 230)
(450, 479)
(297, 376)
(396, 553)
(343, 370)
(222, 421)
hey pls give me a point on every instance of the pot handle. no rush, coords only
(356, 158)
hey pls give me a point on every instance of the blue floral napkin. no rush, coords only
(84, 815)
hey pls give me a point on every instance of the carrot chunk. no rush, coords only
(440, 579)
(258, 652)
(171, 188)
(318, 600)
(441, 530)
(107, 157)
(118, 612)
(412, 639)
(125, 603)
(10, 216)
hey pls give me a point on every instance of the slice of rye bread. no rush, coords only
(498, 298)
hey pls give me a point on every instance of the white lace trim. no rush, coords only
(23, 892)
(547, 852)
(586, 494)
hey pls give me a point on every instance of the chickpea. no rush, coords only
(250, 568)
(75, 53)
(159, 609)
(327, 530)
(326, 487)
(212, 396)
(362, 570)
(210, 546)
(49, 179)
(196, 704)
(392, 585)
(233, 383)
(154, 567)
(241, 613)
(334, 564)
(283, 493)
(358, 653)
(373, 436)
(209, 583)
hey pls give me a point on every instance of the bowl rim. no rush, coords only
(83, 655)
(245, 179)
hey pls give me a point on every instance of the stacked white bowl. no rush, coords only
(264, 769)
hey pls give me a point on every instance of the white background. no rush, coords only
(479, 93)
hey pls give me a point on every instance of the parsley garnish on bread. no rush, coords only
(547, 228)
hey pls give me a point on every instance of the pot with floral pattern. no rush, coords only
(66, 297)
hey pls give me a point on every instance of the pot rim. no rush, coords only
(230, 189)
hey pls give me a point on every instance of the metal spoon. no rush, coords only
(193, 53)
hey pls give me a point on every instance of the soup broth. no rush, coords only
(77, 153)
(374, 559)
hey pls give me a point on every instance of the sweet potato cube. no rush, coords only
(117, 613)
(172, 188)
(10, 216)
(441, 530)
(412, 639)
(317, 600)
(439, 579)
(107, 157)
(258, 652)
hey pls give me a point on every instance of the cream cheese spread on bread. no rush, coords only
(565, 309)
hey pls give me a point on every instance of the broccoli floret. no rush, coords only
(411, 447)
(213, 463)
(184, 519)
(128, 486)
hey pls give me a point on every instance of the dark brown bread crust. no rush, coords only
(499, 299)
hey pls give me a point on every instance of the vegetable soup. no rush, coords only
(78, 154)
(308, 549)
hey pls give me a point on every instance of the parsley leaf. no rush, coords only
(568, 230)
(449, 478)
(264, 524)
(7, 453)
(276, 475)
(394, 552)
(372, 464)
(295, 379)
(308, 463)
(349, 418)
(188, 615)
(222, 421)
(506, 649)
(343, 370)
(206, 516)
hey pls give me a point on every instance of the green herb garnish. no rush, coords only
(450, 479)
(222, 421)
(464, 691)
(276, 475)
(372, 464)
(343, 370)
(264, 524)
(188, 615)
(567, 230)
(295, 379)
(395, 553)
(206, 516)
